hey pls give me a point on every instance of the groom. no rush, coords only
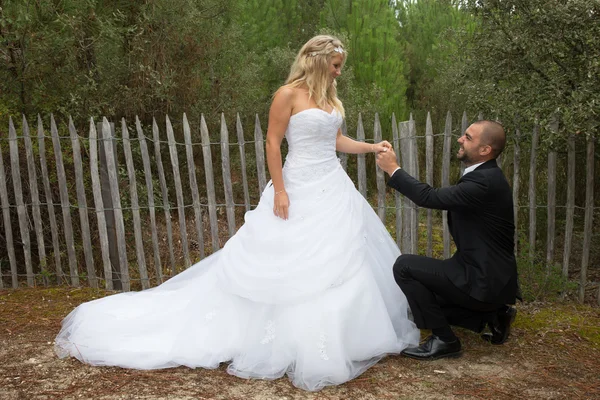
(473, 288)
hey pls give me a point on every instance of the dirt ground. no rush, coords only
(553, 353)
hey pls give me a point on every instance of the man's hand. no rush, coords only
(386, 160)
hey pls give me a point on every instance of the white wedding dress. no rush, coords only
(312, 297)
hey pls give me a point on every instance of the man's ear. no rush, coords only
(485, 150)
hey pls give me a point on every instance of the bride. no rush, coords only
(304, 288)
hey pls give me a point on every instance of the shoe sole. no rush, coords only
(488, 337)
(449, 355)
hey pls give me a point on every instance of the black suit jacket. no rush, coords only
(481, 222)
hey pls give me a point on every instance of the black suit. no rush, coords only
(481, 276)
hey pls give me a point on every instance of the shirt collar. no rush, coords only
(471, 168)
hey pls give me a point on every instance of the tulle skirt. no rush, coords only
(312, 297)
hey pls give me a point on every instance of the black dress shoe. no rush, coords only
(500, 330)
(434, 348)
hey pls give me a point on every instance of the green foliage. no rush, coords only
(539, 281)
(530, 57)
(424, 27)
(375, 50)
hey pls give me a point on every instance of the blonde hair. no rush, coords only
(311, 67)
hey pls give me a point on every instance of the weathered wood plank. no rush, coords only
(210, 181)
(226, 170)
(464, 124)
(516, 181)
(109, 207)
(35, 200)
(343, 156)
(135, 207)
(446, 180)
(260, 156)
(150, 191)
(377, 137)
(532, 189)
(178, 194)
(64, 201)
(164, 192)
(21, 209)
(99, 204)
(189, 151)
(116, 200)
(10, 243)
(360, 159)
(49, 203)
(82, 206)
(414, 162)
(551, 214)
(589, 215)
(570, 206)
(429, 179)
(408, 204)
(241, 144)
(397, 195)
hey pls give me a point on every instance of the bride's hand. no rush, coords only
(381, 146)
(281, 204)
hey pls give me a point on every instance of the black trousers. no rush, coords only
(434, 300)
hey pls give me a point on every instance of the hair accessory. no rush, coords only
(336, 49)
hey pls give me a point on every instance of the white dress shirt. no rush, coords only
(469, 169)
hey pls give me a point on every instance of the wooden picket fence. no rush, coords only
(104, 229)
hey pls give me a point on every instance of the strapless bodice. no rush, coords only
(311, 137)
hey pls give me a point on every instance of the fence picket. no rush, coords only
(164, 192)
(99, 205)
(464, 124)
(532, 189)
(551, 215)
(135, 207)
(362, 170)
(379, 173)
(35, 200)
(116, 201)
(49, 202)
(570, 207)
(150, 191)
(226, 170)
(82, 206)
(516, 180)
(397, 195)
(414, 163)
(589, 216)
(189, 151)
(178, 194)
(21, 209)
(210, 184)
(341, 155)
(64, 201)
(10, 244)
(241, 144)
(446, 179)
(408, 204)
(260, 156)
(429, 180)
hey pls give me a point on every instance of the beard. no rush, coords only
(463, 156)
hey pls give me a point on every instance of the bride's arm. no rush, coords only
(279, 117)
(348, 145)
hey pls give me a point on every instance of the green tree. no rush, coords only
(375, 51)
(532, 57)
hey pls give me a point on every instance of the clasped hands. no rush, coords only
(386, 157)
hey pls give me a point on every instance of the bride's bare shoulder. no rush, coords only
(287, 92)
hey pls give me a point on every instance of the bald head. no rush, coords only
(492, 134)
